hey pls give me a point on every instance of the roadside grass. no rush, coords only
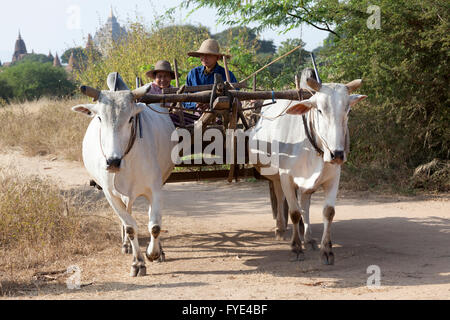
(44, 126)
(42, 226)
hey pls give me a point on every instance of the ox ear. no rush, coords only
(86, 109)
(355, 98)
(301, 107)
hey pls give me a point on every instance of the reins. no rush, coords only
(310, 135)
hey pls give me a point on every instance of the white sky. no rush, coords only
(52, 24)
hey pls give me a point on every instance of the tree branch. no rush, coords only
(312, 24)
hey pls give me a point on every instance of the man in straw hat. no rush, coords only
(161, 75)
(209, 54)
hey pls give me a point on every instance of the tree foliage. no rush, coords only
(405, 68)
(78, 53)
(404, 64)
(143, 48)
(272, 13)
(32, 80)
(262, 46)
(34, 57)
(5, 89)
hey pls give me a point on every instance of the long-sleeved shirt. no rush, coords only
(155, 89)
(197, 77)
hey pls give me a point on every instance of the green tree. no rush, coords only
(5, 91)
(289, 14)
(34, 57)
(78, 53)
(32, 80)
(262, 46)
(406, 72)
(284, 71)
(404, 64)
(143, 48)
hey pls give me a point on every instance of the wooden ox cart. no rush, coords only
(225, 105)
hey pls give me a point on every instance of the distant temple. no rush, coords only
(20, 50)
(110, 33)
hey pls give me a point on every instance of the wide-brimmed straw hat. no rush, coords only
(209, 46)
(161, 65)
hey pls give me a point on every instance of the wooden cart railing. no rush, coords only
(224, 101)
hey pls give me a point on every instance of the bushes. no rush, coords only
(404, 65)
(30, 80)
(32, 212)
(6, 92)
(39, 225)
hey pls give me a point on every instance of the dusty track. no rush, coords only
(220, 245)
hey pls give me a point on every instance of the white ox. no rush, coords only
(126, 165)
(299, 165)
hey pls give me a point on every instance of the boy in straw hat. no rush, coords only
(209, 54)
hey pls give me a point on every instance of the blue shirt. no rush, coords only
(197, 77)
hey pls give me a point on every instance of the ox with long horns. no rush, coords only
(309, 153)
(127, 151)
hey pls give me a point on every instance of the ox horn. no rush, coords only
(90, 92)
(314, 84)
(354, 85)
(140, 92)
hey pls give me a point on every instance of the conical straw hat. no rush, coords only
(209, 46)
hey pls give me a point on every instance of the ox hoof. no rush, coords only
(297, 252)
(159, 257)
(327, 258)
(311, 245)
(138, 271)
(297, 256)
(162, 257)
(126, 249)
(156, 255)
(280, 235)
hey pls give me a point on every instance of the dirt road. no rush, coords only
(220, 244)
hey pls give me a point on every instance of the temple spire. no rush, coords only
(56, 61)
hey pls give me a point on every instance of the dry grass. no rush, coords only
(40, 226)
(44, 127)
(434, 175)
